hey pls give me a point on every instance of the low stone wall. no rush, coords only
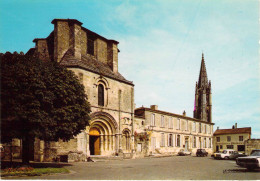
(251, 145)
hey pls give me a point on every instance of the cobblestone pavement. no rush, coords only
(172, 168)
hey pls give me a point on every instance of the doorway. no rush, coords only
(217, 148)
(94, 141)
(186, 144)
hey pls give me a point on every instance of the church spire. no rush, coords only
(203, 78)
(203, 104)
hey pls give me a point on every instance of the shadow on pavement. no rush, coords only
(8, 164)
(240, 170)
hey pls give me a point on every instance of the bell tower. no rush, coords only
(203, 103)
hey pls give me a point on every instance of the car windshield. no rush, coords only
(255, 153)
(224, 151)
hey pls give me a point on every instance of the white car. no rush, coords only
(250, 162)
(225, 154)
(183, 152)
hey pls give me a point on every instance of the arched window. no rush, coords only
(100, 95)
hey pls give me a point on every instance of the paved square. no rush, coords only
(173, 168)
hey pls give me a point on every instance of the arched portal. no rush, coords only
(94, 141)
(102, 134)
(126, 140)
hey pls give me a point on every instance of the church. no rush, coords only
(117, 128)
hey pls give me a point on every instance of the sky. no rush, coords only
(161, 44)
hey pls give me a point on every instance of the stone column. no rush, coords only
(104, 142)
(117, 142)
(87, 144)
(113, 145)
(101, 144)
(41, 151)
(108, 142)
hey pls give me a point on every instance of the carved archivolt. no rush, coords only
(104, 116)
(103, 81)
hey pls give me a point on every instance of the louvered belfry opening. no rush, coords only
(100, 95)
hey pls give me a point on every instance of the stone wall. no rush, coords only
(251, 144)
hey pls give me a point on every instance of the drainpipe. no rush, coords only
(119, 117)
(132, 118)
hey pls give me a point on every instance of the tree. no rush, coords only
(40, 99)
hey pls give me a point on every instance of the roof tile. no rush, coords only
(233, 131)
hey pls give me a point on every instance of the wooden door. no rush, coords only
(97, 145)
(94, 141)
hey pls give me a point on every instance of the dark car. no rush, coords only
(201, 152)
(235, 155)
(250, 162)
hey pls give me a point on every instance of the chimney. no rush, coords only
(184, 113)
(217, 128)
(236, 126)
(154, 107)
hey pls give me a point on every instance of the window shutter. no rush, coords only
(173, 140)
(176, 140)
(167, 140)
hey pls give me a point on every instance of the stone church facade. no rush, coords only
(116, 127)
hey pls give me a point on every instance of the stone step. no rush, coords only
(98, 158)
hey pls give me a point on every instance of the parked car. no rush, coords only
(225, 154)
(235, 155)
(183, 152)
(214, 154)
(201, 152)
(250, 162)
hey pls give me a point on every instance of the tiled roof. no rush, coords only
(89, 63)
(233, 131)
(167, 113)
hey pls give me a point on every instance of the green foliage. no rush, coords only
(40, 99)
(31, 171)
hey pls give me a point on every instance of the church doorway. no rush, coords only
(94, 141)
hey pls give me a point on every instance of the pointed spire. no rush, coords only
(203, 78)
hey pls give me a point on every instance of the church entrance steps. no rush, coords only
(127, 155)
(100, 158)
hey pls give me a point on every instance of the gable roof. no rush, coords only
(233, 131)
(140, 112)
(90, 63)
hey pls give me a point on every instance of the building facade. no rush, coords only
(169, 133)
(234, 138)
(116, 127)
(94, 59)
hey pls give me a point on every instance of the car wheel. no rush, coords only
(226, 158)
